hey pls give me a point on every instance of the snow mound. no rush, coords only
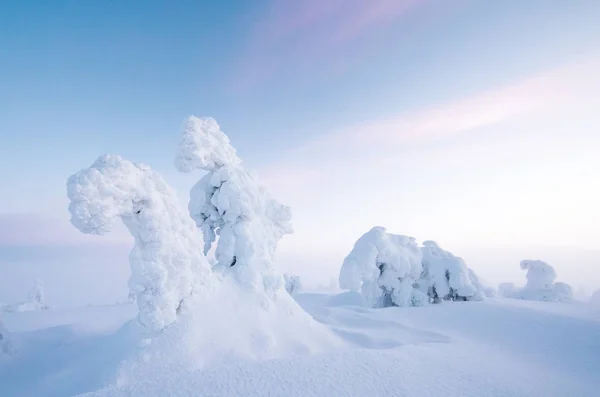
(167, 265)
(384, 267)
(448, 277)
(229, 202)
(392, 270)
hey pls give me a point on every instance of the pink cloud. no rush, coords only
(296, 33)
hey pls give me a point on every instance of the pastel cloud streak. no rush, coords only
(297, 33)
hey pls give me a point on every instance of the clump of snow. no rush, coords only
(392, 270)
(540, 284)
(167, 265)
(384, 267)
(229, 202)
(293, 284)
(448, 277)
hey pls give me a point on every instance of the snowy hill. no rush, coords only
(499, 347)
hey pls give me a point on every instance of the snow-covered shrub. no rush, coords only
(167, 264)
(384, 267)
(6, 345)
(228, 202)
(507, 290)
(448, 277)
(292, 284)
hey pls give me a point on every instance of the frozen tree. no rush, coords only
(540, 284)
(384, 267)
(6, 345)
(293, 284)
(507, 290)
(229, 203)
(37, 297)
(447, 276)
(167, 264)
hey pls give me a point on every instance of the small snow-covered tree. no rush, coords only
(384, 267)
(595, 299)
(228, 202)
(448, 277)
(6, 345)
(37, 297)
(507, 290)
(167, 265)
(293, 284)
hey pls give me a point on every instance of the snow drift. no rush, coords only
(392, 270)
(541, 285)
(167, 265)
(229, 202)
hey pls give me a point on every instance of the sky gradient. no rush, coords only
(473, 123)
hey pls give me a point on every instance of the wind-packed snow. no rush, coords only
(384, 267)
(229, 202)
(540, 284)
(454, 349)
(167, 265)
(392, 270)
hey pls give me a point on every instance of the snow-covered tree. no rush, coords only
(293, 284)
(540, 284)
(167, 264)
(6, 345)
(595, 299)
(392, 270)
(229, 202)
(448, 277)
(37, 297)
(384, 267)
(507, 290)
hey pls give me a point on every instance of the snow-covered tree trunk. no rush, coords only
(228, 202)
(167, 264)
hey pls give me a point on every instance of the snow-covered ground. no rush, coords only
(499, 347)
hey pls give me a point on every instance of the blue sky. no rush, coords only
(334, 103)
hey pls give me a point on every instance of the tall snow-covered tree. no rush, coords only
(540, 284)
(167, 264)
(229, 202)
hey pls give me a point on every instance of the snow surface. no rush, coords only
(230, 203)
(167, 264)
(499, 347)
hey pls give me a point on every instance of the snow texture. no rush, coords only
(448, 277)
(167, 264)
(229, 202)
(384, 267)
